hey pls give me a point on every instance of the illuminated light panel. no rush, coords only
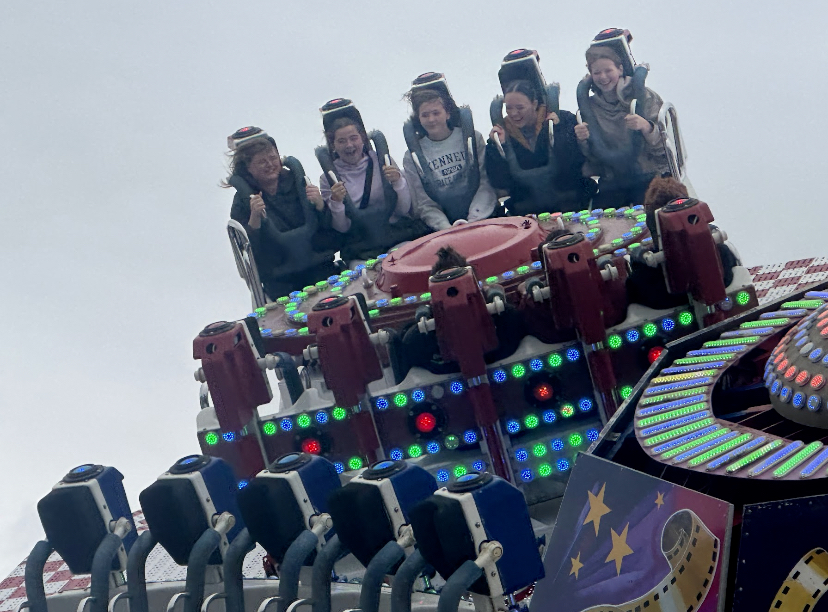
(460, 470)
(706, 359)
(814, 402)
(585, 405)
(518, 370)
(526, 475)
(512, 426)
(817, 462)
(632, 335)
(269, 428)
(592, 434)
(479, 465)
(664, 397)
(451, 442)
(339, 467)
(442, 475)
(557, 444)
(542, 391)
(381, 403)
(211, 438)
(719, 448)
(425, 422)
(679, 431)
(742, 298)
(400, 400)
(456, 387)
(531, 421)
(228, 436)
(625, 391)
(539, 449)
(705, 446)
(723, 350)
(521, 455)
(321, 417)
(679, 403)
(536, 365)
(790, 373)
(675, 423)
(650, 329)
(573, 354)
(693, 368)
(798, 400)
(775, 458)
(242, 484)
(567, 410)
(675, 447)
(499, 376)
(802, 378)
(735, 453)
(765, 323)
(614, 341)
(544, 470)
(396, 454)
(672, 414)
(681, 377)
(575, 440)
(685, 318)
(562, 465)
(732, 341)
(470, 436)
(303, 421)
(748, 459)
(339, 413)
(806, 453)
(286, 424)
(312, 446)
(549, 416)
(554, 360)
(783, 313)
(668, 324)
(654, 353)
(355, 463)
(808, 304)
(415, 450)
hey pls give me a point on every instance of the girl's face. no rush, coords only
(434, 119)
(348, 144)
(265, 166)
(520, 109)
(605, 74)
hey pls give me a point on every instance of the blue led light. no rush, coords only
(557, 444)
(815, 464)
(286, 424)
(632, 335)
(295, 300)
(291, 332)
(592, 435)
(499, 376)
(456, 387)
(536, 265)
(381, 403)
(692, 368)
(418, 395)
(339, 284)
(626, 235)
(802, 340)
(585, 404)
(783, 313)
(536, 365)
(526, 475)
(382, 303)
(432, 448)
(383, 256)
(185, 461)
(228, 436)
(704, 447)
(321, 417)
(242, 484)
(396, 454)
(479, 465)
(799, 335)
(573, 354)
(668, 324)
(470, 436)
(675, 423)
(359, 268)
(776, 457)
(521, 454)
(411, 299)
(737, 452)
(825, 361)
(293, 294)
(798, 399)
(549, 416)
(815, 355)
(746, 332)
(442, 475)
(508, 274)
(681, 440)
(776, 386)
(679, 403)
(814, 402)
(785, 394)
(716, 351)
(339, 467)
(684, 384)
(512, 426)
(333, 278)
(563, 465)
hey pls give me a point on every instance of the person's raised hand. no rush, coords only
(582, 131)
(257, 211)
(314, 195)
(553, 117)
(500, 131)
(338, 192)
(391, 173)
(638, 123)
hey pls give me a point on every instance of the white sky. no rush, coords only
(114, 120)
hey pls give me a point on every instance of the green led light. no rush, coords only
(283, 300)
(625, 391)
(731, 341)
(260, 312)
(742, 298)
(336, 289)
(617, 242)
(354, 463)
(309, 289)
(667, 416)
(649, 329)
(567, 410)
(614, 341)
(395, 301)
(738, 465)
(269, 428)
(531, 421)
(628, 213)
(641, 217)
(491, 280)
(678, 431)
(609, 212)
(704, 359)
(539, 449)
(322, 285)
(211, 438)
(460, 470)
(634, 245)
(686, 376)
(544, 216)
(523, 269)
(798, 458)
(544, 469)
(303, 421)
(593, 223)
(451, 442)
(809, 304)
(575, 440)
(518, 370)
(374, 312)
(657, 399)
(400, 399)
(415, 450)
(291, 307)
(694, 443)
(766, 323)
(371, 263)
(339, 413)
(304, 331)
(720, 450)
(554, 360)
(424, 297)
(302, 295)
(568, 215)
(685, 318)
(635, 231)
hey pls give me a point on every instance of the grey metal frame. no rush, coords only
(246, 263)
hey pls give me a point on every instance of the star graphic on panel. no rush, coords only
(576, 565)
(597, 508)
(659, 500)
(620, 548)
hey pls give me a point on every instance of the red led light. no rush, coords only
(822, 323)
(778, 357)
(782, 365)
(818, 381)
(312, 446)
(654, 353)
(542, 391)
(823, 315)
(425, 422)
(802, 378)
(824, 332)
(790, 373)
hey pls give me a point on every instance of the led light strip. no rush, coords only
(737, 333)
(706, 359)
(719, 450)
(686, 441)
(731, 341)
(784, 469)
(718, 433)
(735, 467)
(684, 384)
(765, 323)
(657, 399)
(677, 377)
(722, 351)
(776, 458)
(671, 415)
(674, 404)
(676, 423)
(716, 463)
(704, 447)
(814, 465)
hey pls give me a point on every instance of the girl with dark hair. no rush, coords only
(448, 180)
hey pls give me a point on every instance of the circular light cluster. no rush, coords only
(303, 421)
(539, 449)
(381, 403)
(544, 470)
(479, 465)
(521, 454)
(242, 484)
(585, 404)
(567, 410)
(415, 450)
(470, 436)
(442, 475)
(592, 435)
(649, 329)
(632, 335)
(460, 470)
(512, 426)
(456, 387)
(526, 475)
(536, 365)
(451, 442)
(667, 324)
(654, 353)
(625, 391)
(312, 446)
(685, 318)
(321, 417)
(573, 354)
(575, 440)
(396, 454)
(211, 439)
(499, 376)
(518, 370)
(531, 421)
(228, 436)
(549, 416)
(542, 391)
(557, 444)
(614, 341)
(563, 465)
(554, 360)
(742, 298)
(418, 395)
(269, 428)
(400, 400)
(425, 422)
(286, 424)
(339, 413)
(339, 467)
(354, 463)
(818, 381)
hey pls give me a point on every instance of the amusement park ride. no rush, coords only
(513, 429)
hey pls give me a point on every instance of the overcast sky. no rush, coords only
(114, 123)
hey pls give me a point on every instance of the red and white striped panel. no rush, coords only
(777, 280)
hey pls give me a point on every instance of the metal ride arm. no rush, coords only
(102, 567)
(245, 263)
(672, 141)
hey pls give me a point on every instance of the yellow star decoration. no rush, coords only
(659, 500)
(576, 565)
(620, 548)
(597, 508)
